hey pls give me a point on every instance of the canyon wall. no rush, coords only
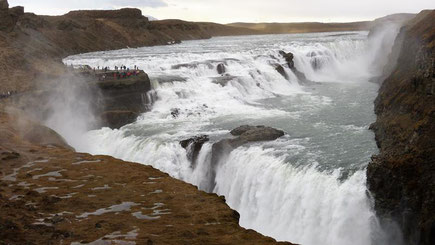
(32, 46)
(402, 176)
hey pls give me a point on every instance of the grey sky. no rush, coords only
(226, 11)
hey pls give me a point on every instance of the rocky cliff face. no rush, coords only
(9, 17)
(402, 176)
(122, 100)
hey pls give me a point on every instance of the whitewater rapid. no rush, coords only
(308, 187)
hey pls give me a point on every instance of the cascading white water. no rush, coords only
(307, 187)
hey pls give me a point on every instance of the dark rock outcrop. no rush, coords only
(9, 17)
(117, 119)
(122, 100)
(193, 147)
(221, 69)
(402, 176)
(281, 70)
(245, 134)
(224, 80)
(257, 133)
(288, 58)
(125, 13)
(291, 64)
(175, 112)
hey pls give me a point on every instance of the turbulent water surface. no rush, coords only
(308, 187)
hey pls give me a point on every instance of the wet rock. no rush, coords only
(246, 134)
(175, 112)
(257, 133)
(281, 70)
(117, 119)
(303, 80)
(169, 79)
(288, 58)
(193, 147)
(221, 69)
(242, 129)
(291, 64)
(197, 140)
(121, 100)
(193, 65)
(223, 80)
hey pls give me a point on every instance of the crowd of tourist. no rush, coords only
(118, 72)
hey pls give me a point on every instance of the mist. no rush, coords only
(67, 104)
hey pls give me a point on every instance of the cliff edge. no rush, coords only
(50, 194)
(32, 46)
(402, 176)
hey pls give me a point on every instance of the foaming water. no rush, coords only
(309, 201)
(307, 187)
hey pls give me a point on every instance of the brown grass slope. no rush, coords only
(284, 28)
(50, 194)
(305, 27)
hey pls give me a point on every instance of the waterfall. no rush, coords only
(307, 187)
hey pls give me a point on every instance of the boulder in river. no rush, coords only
(221, 69)
(288, 58)
(193, 147)
(175, 112)
(281, 70)
(224, 79)
(257, 133)
(245, 134)
(291, 64)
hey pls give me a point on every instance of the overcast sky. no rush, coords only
(227, 11)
